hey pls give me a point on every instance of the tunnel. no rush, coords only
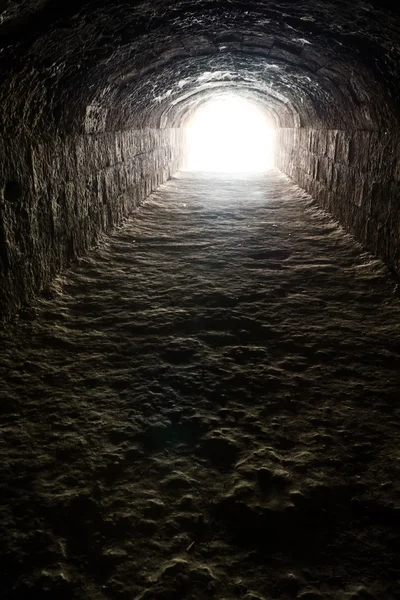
(95, 98)
(199, 367)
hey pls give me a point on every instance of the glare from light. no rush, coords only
(229, 134)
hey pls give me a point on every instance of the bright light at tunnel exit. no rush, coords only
(229, 134)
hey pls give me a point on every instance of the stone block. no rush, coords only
(68, 193)
(342, 153)
(318, 141)
(359, 150)
(354, 174)
(383, 154)
(331, 136)
(325, 171)
(360, 192)
(380, 202)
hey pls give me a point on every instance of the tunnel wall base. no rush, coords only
(355, 175)
(57, 197)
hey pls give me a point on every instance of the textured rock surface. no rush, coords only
(128, 62)
(206, 408)
(91, 67)
(353, 174)
(58, 196)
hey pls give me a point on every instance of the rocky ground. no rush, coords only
(206, 407)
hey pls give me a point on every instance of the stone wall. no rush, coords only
(58, 196)
(355, 175)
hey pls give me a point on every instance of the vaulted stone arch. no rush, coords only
(95, 95)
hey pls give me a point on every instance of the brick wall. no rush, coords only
(58, 196)
(355, 175)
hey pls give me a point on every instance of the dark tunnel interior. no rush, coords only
(94, 98)
(199, 373)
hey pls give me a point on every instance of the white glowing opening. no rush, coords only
(229, 134)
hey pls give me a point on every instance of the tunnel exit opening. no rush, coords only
(230, 134)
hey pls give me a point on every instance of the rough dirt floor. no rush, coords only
(206, 407)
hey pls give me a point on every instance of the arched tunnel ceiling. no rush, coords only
(111, 64)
